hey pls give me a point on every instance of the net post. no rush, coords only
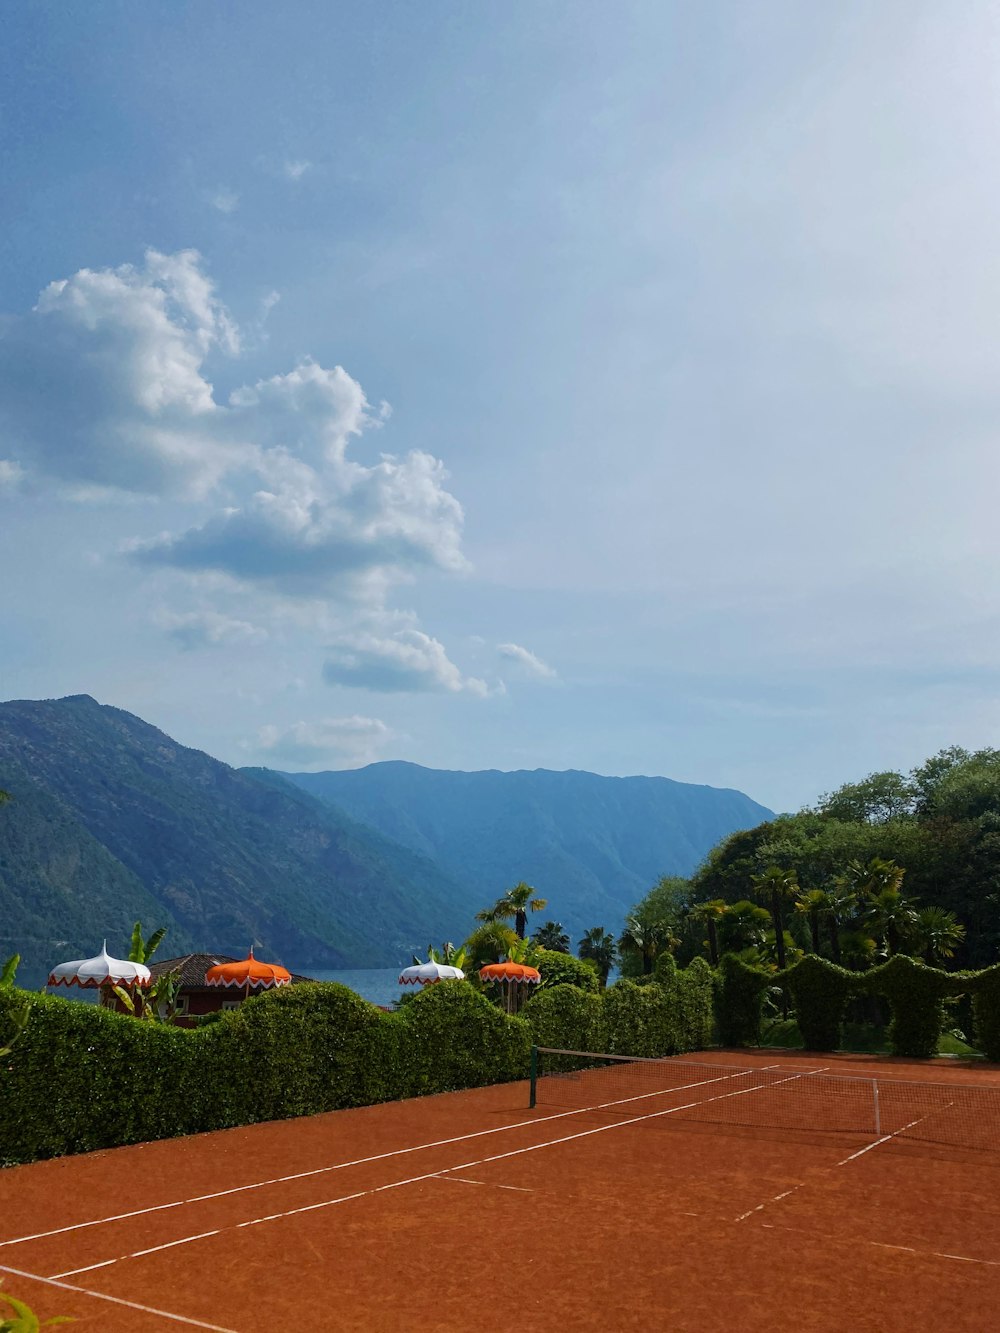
(878, 1114)
(534, 1077)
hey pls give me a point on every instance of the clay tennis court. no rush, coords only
(608, 1206)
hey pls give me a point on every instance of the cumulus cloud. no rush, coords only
(206, 629)
(345, 742)
(101, 383)
(526, 661)
(407, 660)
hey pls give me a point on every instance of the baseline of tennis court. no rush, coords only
(634, 1207)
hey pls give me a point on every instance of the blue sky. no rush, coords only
(538, 385)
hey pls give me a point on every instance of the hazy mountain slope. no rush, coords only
(592, 845)
(129, 823)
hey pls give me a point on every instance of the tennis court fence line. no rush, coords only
(955, 1115)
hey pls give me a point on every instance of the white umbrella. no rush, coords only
(425, 974)
(102, 970)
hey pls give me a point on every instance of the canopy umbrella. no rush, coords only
(248, 974)
(426, 974)
(100, 972)
(513, 980)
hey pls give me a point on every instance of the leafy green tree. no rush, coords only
(887, 912)
(552, 936)
(598, 947)
(937, 933)
(5, 796)
(158, 1003)
(877, 799)
(775, 886)
(742, 926)
(514, 906)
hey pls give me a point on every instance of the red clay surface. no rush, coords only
(470, 1210)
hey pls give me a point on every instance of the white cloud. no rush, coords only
(225, 200)
(408, 660)
(344, 742)
(296, 169)
(101, 384)
(204, 629)
(526, 661)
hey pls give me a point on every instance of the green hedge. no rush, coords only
(81, 1077)
(562, 969)
(820, 991)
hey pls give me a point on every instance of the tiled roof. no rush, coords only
(193, 966)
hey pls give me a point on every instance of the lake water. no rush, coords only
(380, 985)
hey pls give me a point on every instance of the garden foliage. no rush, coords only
(820, 992)
(82, 1077)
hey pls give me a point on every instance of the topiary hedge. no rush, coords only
(739, 1001)
(985, 988)
(819, 992)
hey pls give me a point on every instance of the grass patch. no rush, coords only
(859, 1038)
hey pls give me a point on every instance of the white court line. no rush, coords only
(489, 1184)
(431, 1175)
(115, 1300)
(378, 1157)
(853, 1157)
(886, 1137)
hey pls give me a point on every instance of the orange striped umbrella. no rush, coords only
(248, 974)
(513, 979)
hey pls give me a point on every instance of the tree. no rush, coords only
(514, 906)
(813, 904)
(883, 907)
(841, 904)
(937, 933)
(598, 947)
(877, 799)
(489, 943)
(711, 913)
(5, 796)
(159, 1002)
(552, 936)
(21, 1012)
(774, 886)
(644, 938)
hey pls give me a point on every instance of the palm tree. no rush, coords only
(488, 943)
(814, 904)
(742, 925)
(891, 916)
(598, 945)
(773, 886)
(552, 936)
(5, 796)
(515, 905)
(938, 933)
(710, 914)
(842, 903)
(645, 938)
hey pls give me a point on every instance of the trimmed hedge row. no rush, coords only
(820, 991)
(81, 1077)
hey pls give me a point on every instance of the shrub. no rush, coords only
(562, 969)
(819, 991)
(916, 993)
(453, 1037)
(985, 987)
(739, 1001)
(568, 1019)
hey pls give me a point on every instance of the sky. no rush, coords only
(542, 385)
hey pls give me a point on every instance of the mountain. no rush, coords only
(113, 821)
(592, 845)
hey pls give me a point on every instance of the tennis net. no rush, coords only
(779, 1097)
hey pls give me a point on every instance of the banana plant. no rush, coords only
(24, 1319)
(21, 1012)
(158, 1004)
